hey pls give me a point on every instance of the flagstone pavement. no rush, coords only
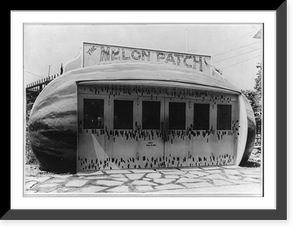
(218, 180)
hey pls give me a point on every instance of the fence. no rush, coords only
(33, 89)
(257, 142)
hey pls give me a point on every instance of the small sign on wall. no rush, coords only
(150, 144)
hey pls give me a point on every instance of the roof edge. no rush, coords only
(122, 81)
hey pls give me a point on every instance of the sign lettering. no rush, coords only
(114, 53)
(97, 54)
(184, 61)
(123, 55)
(104, 55)
(136, 55)
(150, 144)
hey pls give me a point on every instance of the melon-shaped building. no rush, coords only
(119, 107)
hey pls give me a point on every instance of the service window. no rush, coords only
(93, 113)
(151, 115)
(201, 116)
(176, 116)
(123, 114)
(223, 117)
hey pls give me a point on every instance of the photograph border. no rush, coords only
(279, 213)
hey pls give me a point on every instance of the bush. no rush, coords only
(29, 155)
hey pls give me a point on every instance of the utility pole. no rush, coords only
(49, 71)
(61, 69)
(186, 40)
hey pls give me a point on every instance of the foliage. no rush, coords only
(257, 80)
(254, 96)
(29, 155)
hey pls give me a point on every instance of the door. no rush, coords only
(150, 145)
(163, 126)
(92, 121)
(177, 138)
(124, 127)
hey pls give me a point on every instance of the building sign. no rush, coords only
(96, 54)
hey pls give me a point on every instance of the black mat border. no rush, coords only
(280, 213)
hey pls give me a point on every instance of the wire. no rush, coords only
(33, 74)
(237, 55)
(255, 28)
(218, 42)
(235, 49)
(239, 62)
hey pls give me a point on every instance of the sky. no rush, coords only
(232, 47)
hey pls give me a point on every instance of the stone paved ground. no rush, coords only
(221, 180)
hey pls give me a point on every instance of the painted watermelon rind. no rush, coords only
(53, 119)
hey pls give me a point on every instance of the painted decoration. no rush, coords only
(251, 126)
(109, 148)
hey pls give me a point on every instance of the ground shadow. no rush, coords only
(251, 164)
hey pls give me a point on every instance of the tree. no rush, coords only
(254, 96)
(257, 80)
